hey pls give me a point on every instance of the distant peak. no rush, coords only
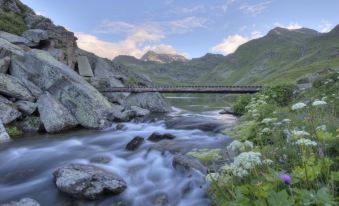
(162, 58)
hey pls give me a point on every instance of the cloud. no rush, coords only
(325, 26)
(254, 9)
(187, 24)
(232, 42)
(133, 45)
(290, 26)
(115, 27)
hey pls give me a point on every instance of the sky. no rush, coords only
(188, 27)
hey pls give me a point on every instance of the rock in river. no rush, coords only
(87, 181)
(134, 143)
(156, 137)
(4, 137)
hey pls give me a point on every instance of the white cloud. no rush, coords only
(254, 9)
(133, 45)
(232, 42)
(187, 24)
(290, 26)
(325, 26)
(115, 27)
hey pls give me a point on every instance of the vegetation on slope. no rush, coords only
(12, 22)
(285, 149)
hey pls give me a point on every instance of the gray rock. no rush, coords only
(89, 107)
(35, 35)
(4, 64)
(4, 137)
(14, 39)
(123, 116)
(86, 181)
(151, 101)
(30, 125)
(13, 87)
(186, 164)
(140, 112)
(287, 134)
(135, 143)
(23, 202)
(101, 159)
(156, 137)
(8, 49)
(102, 68)
(8, 113)
(54, 116)
(84, 67)
(26, 107)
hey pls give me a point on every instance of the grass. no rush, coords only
(13, 131)
(11, 22)
(300, 144)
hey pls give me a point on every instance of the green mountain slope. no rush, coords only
(281, 56)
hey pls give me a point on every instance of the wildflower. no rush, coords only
(266, 130)
(248, 144)
(267, 162)
(286, 120)
(285, 178)
(298, 106)
(318, 103)
(297, 133)
(322, 127)
(236, 146)
(211, 177)
(306, 142)
(266, 120)
(243, 163)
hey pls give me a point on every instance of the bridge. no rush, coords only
(186, 89)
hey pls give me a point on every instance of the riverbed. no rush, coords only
(27, 163)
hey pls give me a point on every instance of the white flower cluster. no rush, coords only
(319, 103)
(306, 142)
(266, 130)
(322, 127)
(267, 162)
(254, 103)
(237, 146)
(243, 164)
(299, 134)
(267, 120)
(298, 106)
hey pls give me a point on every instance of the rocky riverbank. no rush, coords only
(48, 84)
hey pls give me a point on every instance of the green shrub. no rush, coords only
(280, 94)
(12, 22)
(240, 104)
(13, 131)
(132, 81)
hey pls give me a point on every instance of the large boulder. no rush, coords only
(12, 38)
(8, 113)
(22, 202)
(4, 137)
(90, 108)
(84, 67)
(13, 87)
(54, 116)
(8, 49)
(4, 64)
(87, 181)
(26, 107)
(151, 101)
(35, 35)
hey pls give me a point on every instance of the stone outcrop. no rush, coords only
(8, 113)
(8, 49)
(86, 181)
(54, 116)
(14, 39)
(4, 64)
(26, 107)
(35, 36)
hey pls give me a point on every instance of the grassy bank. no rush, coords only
(286, 149)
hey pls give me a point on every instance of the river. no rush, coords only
(27, 163)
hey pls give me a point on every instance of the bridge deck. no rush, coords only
(186, 89)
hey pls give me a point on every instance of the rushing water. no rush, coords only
(27, 163)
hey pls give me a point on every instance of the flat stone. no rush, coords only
(12, 38)
(135, 143)
(87, 181)
(156, 137)
(84, 67)
(22, 202)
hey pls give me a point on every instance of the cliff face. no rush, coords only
(48, 84)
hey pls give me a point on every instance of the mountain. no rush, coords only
(152, 56)
(281, 56)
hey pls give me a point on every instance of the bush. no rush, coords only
(280, 94)
(240, 104)
(11, 22)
